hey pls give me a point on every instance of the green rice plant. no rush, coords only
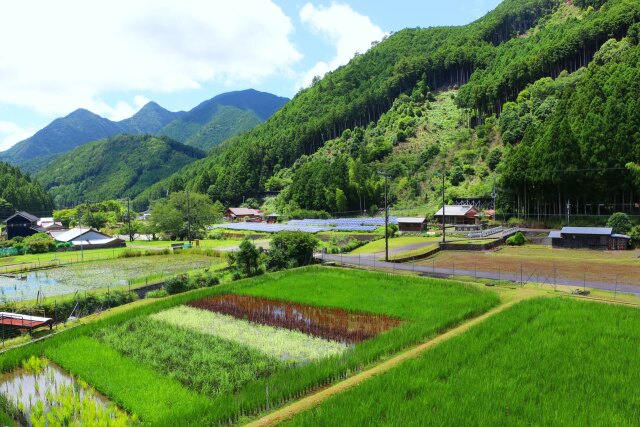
(542, 362)
(202, 362)
(283, 344)
(160, 293)
(427, 306)
(156, 399)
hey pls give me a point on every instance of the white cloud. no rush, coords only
(347, 30)
(11, 133)
(59, 56)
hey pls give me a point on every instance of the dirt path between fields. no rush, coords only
(318, 397)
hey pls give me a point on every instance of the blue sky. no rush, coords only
(113, 57)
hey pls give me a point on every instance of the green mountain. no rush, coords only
(150, 119)
(19, 192)
(205, 126)
(424, 100)
(117, 167)
(224, 116)
(61, 135)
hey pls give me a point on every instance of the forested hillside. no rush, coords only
(491, 60)
(121, 166)
(19, 192)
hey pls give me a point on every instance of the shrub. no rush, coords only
(39, 243)
(160, 293)
(291, 249)
(203, 280)
(177, 284)
(130, 253)
(516, 240)
(620, 223)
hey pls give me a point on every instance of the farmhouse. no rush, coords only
(22, 224)
(88, 238)
(589, 238)
(49, 224)
(458, 214)
(411, 225)
(243, 214)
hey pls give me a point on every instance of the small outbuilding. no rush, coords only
(601, 238)
(453, 214)
(271, 218)
(88, 238)
(243, 214)
(411, 224)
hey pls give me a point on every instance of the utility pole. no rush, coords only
(494, 194)
(568, 211)
(129, 218)
(188, 218)
(386, 217)
(444, 228)
(80, 226)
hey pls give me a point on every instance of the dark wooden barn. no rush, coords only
(21, 224)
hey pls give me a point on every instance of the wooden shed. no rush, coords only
(411, 224)
(601, 238)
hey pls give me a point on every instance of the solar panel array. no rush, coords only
(310, 225)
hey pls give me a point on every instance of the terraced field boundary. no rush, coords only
(315, 399)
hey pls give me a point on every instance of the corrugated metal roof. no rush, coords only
(451, 210)
(621, 236)
(555, 235)
(72, 234)
(411, 220)
(599, 231)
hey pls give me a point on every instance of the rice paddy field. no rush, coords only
(541, 362)
(543, 261)
(228, 353)
(92, 275)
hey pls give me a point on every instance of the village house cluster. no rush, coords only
(23, 224)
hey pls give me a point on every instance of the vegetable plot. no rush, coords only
(286, 345)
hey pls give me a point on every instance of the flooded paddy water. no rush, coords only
(95, 275)
(41, 394)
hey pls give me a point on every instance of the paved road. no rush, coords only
(431, 271)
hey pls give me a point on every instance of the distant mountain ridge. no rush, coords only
(205, 126)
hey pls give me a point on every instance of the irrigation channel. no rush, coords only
(521, 277)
